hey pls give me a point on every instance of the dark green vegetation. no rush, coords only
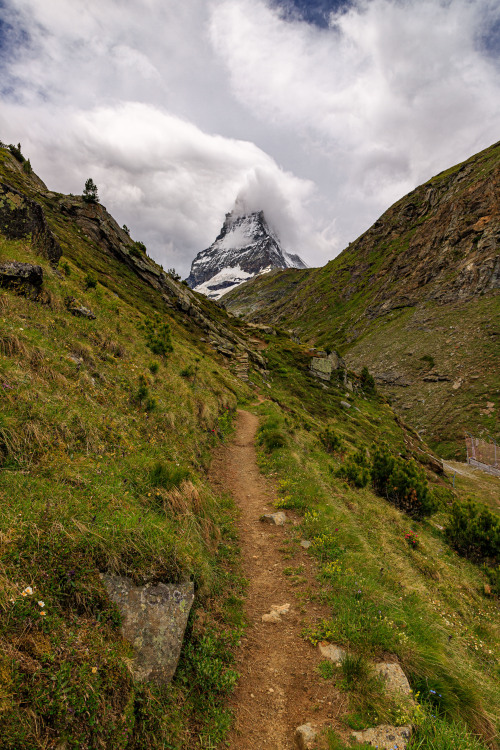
(393, 582)
(415, 299)
(103, 458)
(106, 432)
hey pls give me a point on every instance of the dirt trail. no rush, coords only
(279, 688)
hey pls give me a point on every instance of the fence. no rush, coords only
(483, 454)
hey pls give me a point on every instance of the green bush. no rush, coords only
(474, 531)
(402, 482)
(367, 382)
(270, 440)
(167, 476)
(138, 249)
(331, 441)
(154, 367)
(158, 336)
(90, 281)
(357, 475)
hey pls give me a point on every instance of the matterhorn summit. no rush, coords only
(245, 247)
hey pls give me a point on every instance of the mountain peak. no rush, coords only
(245, 247)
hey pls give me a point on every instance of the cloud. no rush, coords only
(177, 110)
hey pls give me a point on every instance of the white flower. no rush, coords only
(41, 604)
(28, 590)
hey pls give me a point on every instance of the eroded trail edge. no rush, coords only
(279, 687)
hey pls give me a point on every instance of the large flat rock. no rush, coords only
(154, 621)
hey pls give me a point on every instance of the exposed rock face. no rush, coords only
(21, 217)
(154, 621)
(245, 247)
(79, 310)
(323, 367)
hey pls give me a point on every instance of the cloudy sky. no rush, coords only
(321, 112)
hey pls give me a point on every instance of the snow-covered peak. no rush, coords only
(246, 246)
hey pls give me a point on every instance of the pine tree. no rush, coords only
(90, 192)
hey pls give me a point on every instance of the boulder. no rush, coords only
(385, 737)
(305, 737)
(394, 677)
(154, 621)
(75, 308)
(21, 276)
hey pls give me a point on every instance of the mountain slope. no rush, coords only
(415, 298)
(244, 248)
(117, 383)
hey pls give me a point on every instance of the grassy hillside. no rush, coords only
(107, 428)
(104, 445)
(415, 299)
(394, 583)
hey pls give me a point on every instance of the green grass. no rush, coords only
(103, 460)
(425, 606)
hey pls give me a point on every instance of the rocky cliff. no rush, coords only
(245, 247)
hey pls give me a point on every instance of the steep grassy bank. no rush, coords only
(395, 586)
(106, 432)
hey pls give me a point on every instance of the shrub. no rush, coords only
(331, 441)
(142, 392)
(189, 372)
(474, 531)
(357, 475)
(66, 268)
(428, 360)
(272, 439)
(402, 482)
(16, 152)
(367, 382)
(167, 476)
(90, 281)
(154, 367)
(27, 168)
(138, 249)
(158, 336)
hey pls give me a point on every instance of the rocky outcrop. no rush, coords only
(21, 217)
(22, 277)
(154, 621)
(96, 222)
(323, 366)
(245, 247)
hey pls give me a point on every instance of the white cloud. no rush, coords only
(178, 108)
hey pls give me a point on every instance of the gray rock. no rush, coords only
(305, 543)
(331, 652)
(154, 621)
(75, 308)
(22, 217)
(385, 737)
(345, 404)
(21, 276)
(394, 677)
(305, 737)
(278, 519)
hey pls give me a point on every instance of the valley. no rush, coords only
(149, 441)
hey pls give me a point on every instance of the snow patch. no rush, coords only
(228, 278)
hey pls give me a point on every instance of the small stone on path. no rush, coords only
(305, 543)
(278, 519)
(305, 737)
(275, 614)
(385, 737)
